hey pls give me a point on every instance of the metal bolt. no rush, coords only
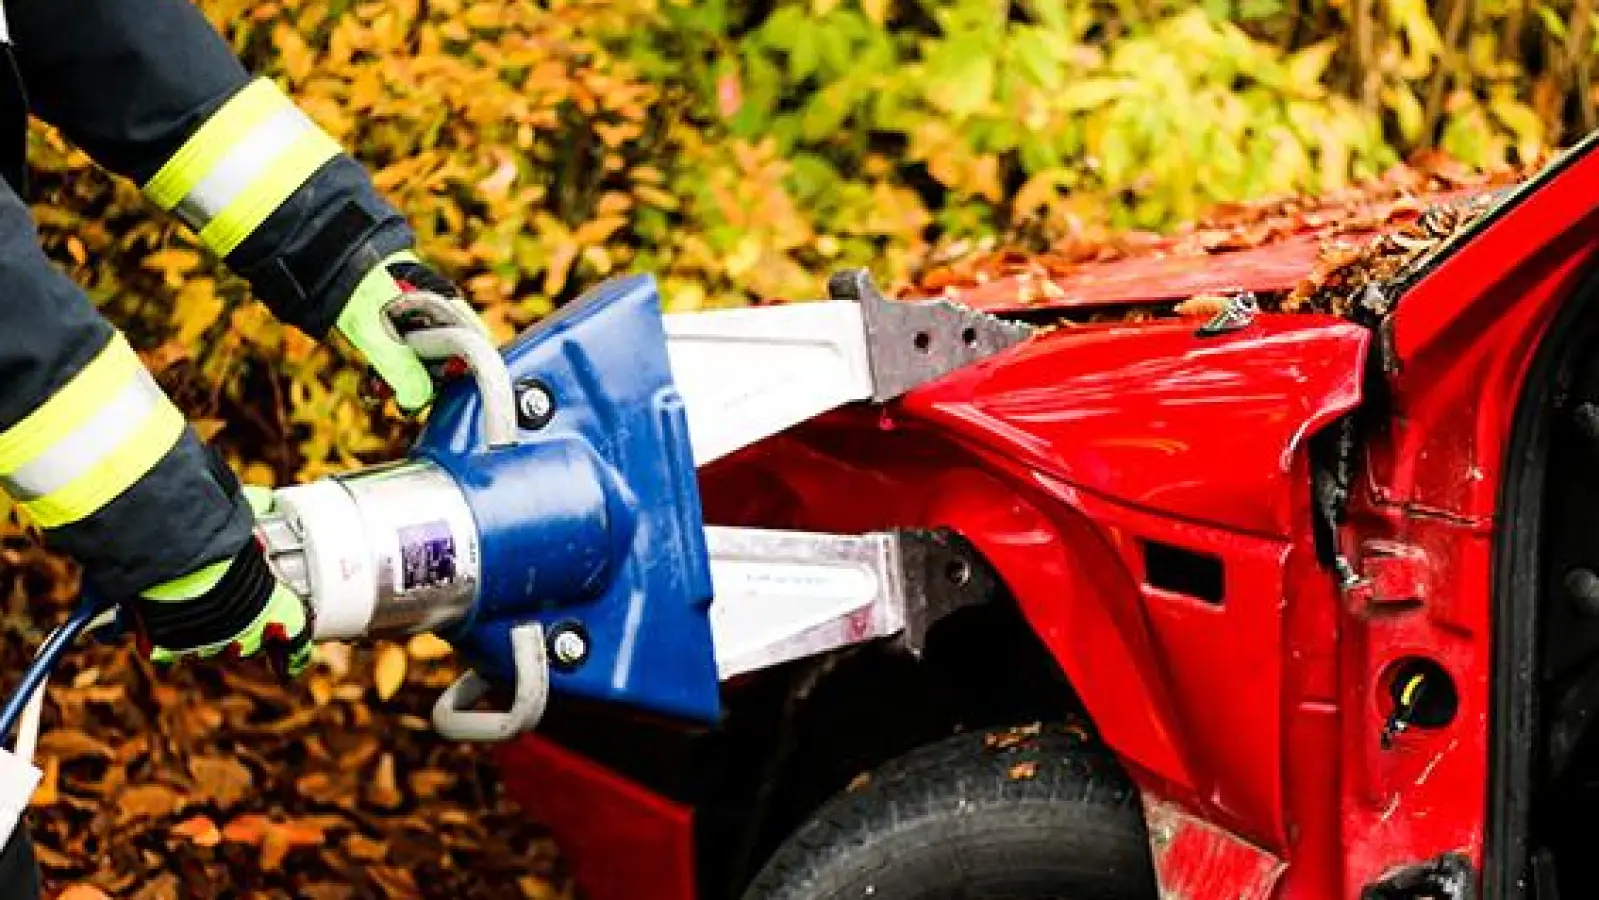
(570, 647)
(535, 403)
(1583, 586)
(958, 571)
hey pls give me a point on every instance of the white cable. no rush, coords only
(28, 726)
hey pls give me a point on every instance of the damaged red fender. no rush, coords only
(1065, 462)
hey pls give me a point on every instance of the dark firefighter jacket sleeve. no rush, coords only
(91, 449)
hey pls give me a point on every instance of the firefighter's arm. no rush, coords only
(95, 455)
(153, 92)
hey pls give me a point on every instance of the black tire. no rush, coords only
(1008, 814)
(19, 872)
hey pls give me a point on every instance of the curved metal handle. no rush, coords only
(453, 718)
(442, 338)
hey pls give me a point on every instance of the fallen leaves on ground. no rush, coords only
(210, 783)
(1368, 232)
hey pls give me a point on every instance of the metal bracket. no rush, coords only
(454, 718)
(1239, 314)
(943, 575)
(912, 342)
(787, 595)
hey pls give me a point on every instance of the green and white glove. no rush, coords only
(367, 322)
(236, 608)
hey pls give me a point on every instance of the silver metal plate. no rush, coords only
(785, 595)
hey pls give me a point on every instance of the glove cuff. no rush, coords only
(223, 612)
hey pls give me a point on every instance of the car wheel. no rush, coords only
(1007, 814)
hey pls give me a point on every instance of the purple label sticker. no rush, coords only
(427, 552)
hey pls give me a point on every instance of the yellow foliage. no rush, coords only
(539, 147)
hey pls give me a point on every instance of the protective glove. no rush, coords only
(367, 322)
(235, 608)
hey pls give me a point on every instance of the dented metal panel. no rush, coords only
(1195, 860)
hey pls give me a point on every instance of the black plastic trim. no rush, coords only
(1517, 588)
(1514, 198)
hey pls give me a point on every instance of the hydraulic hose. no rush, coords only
(49, 656)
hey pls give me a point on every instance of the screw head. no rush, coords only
(569, 647)
(535, 405)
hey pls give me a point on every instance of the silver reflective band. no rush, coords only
(253, 154)
(92, 441)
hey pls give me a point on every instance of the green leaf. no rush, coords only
(1092, 93)
(780, 27)
(1039, 58)
(1525, 124)
(1307, 66)
(1051, 14)
(1466, 136)
(1552, 22)
(827, 111)
(1115, 156)
(1259, 10)
(1407, 111)
(960, 77)
(805, 52)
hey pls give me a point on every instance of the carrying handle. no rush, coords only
(430, 325)
(453, 717)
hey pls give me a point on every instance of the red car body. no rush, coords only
(1250, 712)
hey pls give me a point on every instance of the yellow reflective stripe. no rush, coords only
(77, 401)
(214, 140)
(117, 472)
(228, 229)
(241, 165)
(87, 444)
(190, 586)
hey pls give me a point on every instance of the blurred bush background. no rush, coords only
(741, 150)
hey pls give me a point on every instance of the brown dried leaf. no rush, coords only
(322, 787)
(52, 859)
(1023, 771)
(398, 882)
(389, 672)
(1011, 737)
(338, 657)
(321, 688)
(383, 791)
(1202, 306)
(247, 829)
(70, 744)
(427, 647)
(427, 783)
(221, 779)
(200, 830)
(364, 848)
(148, 801)
(537, 889)
(83, 892)
(164, 887)
(48, 792)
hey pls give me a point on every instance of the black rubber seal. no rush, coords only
(1514, 717)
